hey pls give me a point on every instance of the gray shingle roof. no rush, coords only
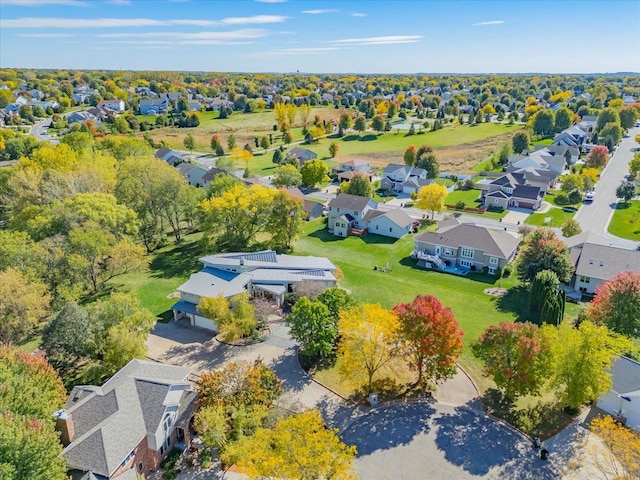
(111, 420)
(185, 168)
(605, 262)
(526, 191)
(496, 243)
(398, 217)
(302, 154)
(350, 202)
(625, 374)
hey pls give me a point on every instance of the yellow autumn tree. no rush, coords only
(431, 198)
(291, 111)
(621, 459)
(368, 336)
(241, 155)
(304, 111)
(591, 173)
(280, 112)
(299, 446)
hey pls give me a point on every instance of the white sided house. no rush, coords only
(347, 212)
(623, 399)
(261, 274)
(394, 223)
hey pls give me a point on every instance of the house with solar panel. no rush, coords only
(262, 274)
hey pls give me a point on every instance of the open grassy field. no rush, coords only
(625, 222)
(555, 217)
(356, 257)
(469, 197)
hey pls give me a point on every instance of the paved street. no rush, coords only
(39, 130)
(595, 216)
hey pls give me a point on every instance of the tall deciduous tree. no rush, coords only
(410, 155)
(426, 159)
(571, 227)
(336, 299)
(628, 117)
(432, 335)
(234, 317)
(360, 124)
(358, 185)
(368, 340)
(581, 360)
(607, 115)
(23, 304)
(513, 357)
(617, 304)
(564, 119)
(626, 191)
(431, 198)
(287, 175)
(313, 326)
(543, 122)
(543, 250)
(189, 142)
(598, 157)
(520, 141)
(286, 220)
(299, 446)
(314, 172)
(333, 149)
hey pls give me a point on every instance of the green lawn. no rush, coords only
(371, 142)
(469, 197)
(168, 268)
(356, 257)
(555, 217)
(544, 141)
(625, 222)
(447, 182)
(263, 166)
(550, 197)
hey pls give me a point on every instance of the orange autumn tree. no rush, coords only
(431, 336)
(368, 340)
(617, 304)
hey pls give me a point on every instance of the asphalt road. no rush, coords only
(595, 216)
(39, 130)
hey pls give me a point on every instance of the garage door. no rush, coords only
(526, 205)
(203, 322)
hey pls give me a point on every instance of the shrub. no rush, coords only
(506, 272)
(574, 196)
(562, 199)
(460, 205)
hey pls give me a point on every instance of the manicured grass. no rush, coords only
(625, 222)
(371, 142)
(469, 197)
(168, 268)
(356, 257)
(447, 182)
(555, 217)
(544, 141)
(550, 197)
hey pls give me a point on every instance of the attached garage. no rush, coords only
(184, 309)
(203, 322)
(623, 400)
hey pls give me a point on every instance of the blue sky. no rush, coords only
(372, 36)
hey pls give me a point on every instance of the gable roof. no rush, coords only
(397, 216)
(603, 261)
(211, 173)
(526, 191)
(302, 154)
(111, 420)
(185, 167)
(356, 162)
(625, 374)
(351, 202)
(495, 243)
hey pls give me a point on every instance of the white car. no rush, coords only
(590, 196)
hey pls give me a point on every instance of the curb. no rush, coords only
(475, 387)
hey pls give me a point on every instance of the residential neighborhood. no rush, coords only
(275, 241)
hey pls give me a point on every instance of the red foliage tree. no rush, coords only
(433, 339)
(617, 304)
(598, 157)
(512, 356)
(410, 155)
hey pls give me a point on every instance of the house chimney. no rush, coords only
(64, 424)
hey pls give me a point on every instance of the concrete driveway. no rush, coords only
(436, 441)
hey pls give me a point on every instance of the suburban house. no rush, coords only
(404, 178)
(347, 212)
(302, 155)
(312, 209)
(193, 173)
(353, 214)
(512, 190)
(394, 223)
(217, 104)
(553, 159)
(81, 117)
(345, 171)
(172, 157)
(465, 245)
(114, 104)
(153, 106)
(545, 179)
(103, 113)
(261, 274)
(623, 400)
(596, 261)
(208, 177)
(125, 427)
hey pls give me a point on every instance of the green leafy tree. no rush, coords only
(333, 149)
(231, 142)
(426, 159)
(286, 220)
(287, 175)
(628, 117)
(564, 119)
(336, 299)
(543, 122)
(313, 327)
(572, 182)
(634, 165)
(189, 142)
(543, 250)
(234, 317)
(360, 124)
(513, 356)
(520, 141)
(314, 172)
(358, 185)
(610, 135)
(626, 191)
(607, 115)
(543, 285)
(571, 227)
(377, 123)
(581, 360)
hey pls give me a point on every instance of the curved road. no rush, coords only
(595, 217)
(39, 130)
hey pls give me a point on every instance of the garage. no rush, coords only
(623, 400)
(203, 322)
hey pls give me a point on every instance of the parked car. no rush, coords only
(590, 196)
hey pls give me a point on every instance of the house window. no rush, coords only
(448, 251)
(127, 459)
(140, 467)
(466, 252)
(377, 227)
(493, 260)
(492, 271)
(391, 229)
(165, 446)
(355, 214)
(167, 422)
(584, 279)
(466, 263)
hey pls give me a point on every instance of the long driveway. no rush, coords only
(595, 217)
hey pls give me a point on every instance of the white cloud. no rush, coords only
(34, 22)
(255, 20)
(320, 11)
(358, 14)
(491, 22)
(45, 35)
(388, 40)
(217, 36)
(119, 2)
(148, 43)
(41, 3)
